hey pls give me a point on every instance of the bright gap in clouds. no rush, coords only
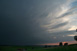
(72, 28)
(71, 35)
(63, 18)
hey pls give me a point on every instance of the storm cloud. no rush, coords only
(30, 22)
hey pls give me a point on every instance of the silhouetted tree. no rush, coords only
(75, 37)
(76, 30)
(60, 44)
(65, 44)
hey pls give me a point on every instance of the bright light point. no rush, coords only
(73, 28)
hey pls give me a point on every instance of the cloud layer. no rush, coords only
(62, 20)
(29, 22)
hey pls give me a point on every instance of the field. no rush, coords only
(37, 48)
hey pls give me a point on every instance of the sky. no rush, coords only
(30, 22)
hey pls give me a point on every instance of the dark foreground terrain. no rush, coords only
(38, 48)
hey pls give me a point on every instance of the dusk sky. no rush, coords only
(30, 22)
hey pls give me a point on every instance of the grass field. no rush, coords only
(36, 48)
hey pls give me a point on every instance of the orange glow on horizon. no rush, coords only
(69, 42)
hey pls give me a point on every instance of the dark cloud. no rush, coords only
(19, 23)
